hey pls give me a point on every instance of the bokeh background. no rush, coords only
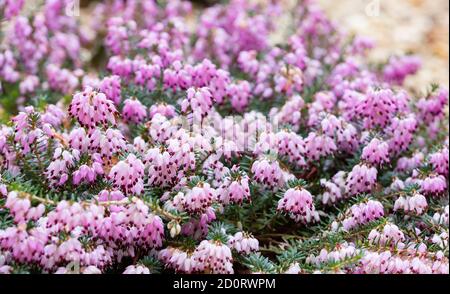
(401, 26)
(398, 26)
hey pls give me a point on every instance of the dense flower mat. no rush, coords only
(162, 139)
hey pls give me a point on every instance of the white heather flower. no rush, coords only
(136, 270)
(416, 204)
(92, 270)
(243, 243)
(294, 269)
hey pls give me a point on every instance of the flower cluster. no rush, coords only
(416, 204)
(298, 203)
(234, 190)
(127, 175)
(363, 213)
(243, 243)
(140, 145)
(197, 199)
(390, 234)
(91, 108)
(213, 257)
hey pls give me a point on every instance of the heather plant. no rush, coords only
(156, 138)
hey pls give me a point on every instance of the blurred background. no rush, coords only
(401, 26)
(419, 27)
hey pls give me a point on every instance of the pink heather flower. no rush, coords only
(197, 199)
(344, 133)
(12, 8)
(198, 228)
(361, 45)
(363, 213)
(134, 111)
(323, 103)
(179, 260)
(90, 80)
(91, 109)
(88, 174)
(167, 166)
(248, 63)
(57, 171)
(127, 175)
(29, 84)
(8, 66)
(21, 210)
(216, 171)
(267, 173)
(213, 257)
(376, 152)
(390, 235)
(285, 143)
(117, 37)
(439, 161)
(79, 140)
(289, 80)
(112, 88)
(442, 216)
(28, 36)
(230, 67)
(122, 67)
(340, 253)
(334, 189)
(401, 131)
(299, 204)
(362, 179)
(377, 108)
(434, 185)
(53, 115)
(399, 68)
(165, 110)
(432, 108)
(240, 95)
(133, 227)
(145, 74)
(161, 129)
(27, 134)
(408, 164)
(317, 146)
(106, 195)
(139, 145)
(162, 168)
(136, 270)
(61, 79)
(107, 143)
(199, 101)
(440, 240)
(396, 185)
(416, 204)
(234, 190)
(290, 113)
(386, 263)
(292, 146)
(243, 243)
(65, 47)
